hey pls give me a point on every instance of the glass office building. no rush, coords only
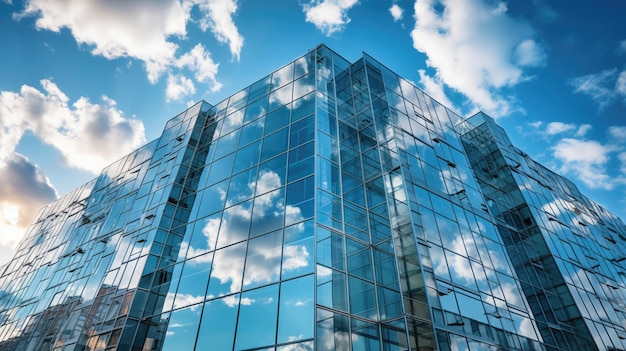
(328, 206)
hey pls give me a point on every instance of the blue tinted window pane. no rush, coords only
(300, 191)
(300, 346)
(277, 119)
(298, 250)
(227, 272)
(274, 144)
(303, 107)
(460, 270)
(295, 320)
(217, 329)
(351, 161)
(232, 122)
(269, 209)
(395, 340)
(204, 235)
(379, 229)
(302, 131)
(238, 100)
(356, 195)
(375, 192)
(304, 64)
(251, 132)
(386, 272)
(280, 97)
(282, 76)
(365, 336)
(225, 144)
(303, 86)
(327, 121)
(167, 287)
(260, 88)
(182, 329)
(359, 259)
(330, 251)
(235, 224)
(362, 298)
(356, 217)
(256, 109)
(390, 303)
(300, 204)
(263, 260)
(328, 176)
(329, 209)
(247, 157)
(327, 147)
(301, 152)
(276, 168)
(241, 187)
(258, 313)
(212, 199)
(301, 162)
(300, 169)
(333, 332)
(221, 169)
(193, 281)
(331, 288)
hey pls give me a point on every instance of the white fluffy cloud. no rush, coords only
(199, 61)
(559, 128)
(329, 16)
(114, 29)
(603, 87)
(599, 164)
(476, 48)
(586, 159)
(88, 136)
(573, 150)
(396, 12)
(144, 30)
(434, 88)
(178, 86)
(23, 190)
(219, 18)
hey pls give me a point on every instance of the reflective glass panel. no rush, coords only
(298, 250)
(331, 288)
(258, 314)
(227, 273)
(263, 260)
(274, 144)
(295, 320)
(217, 329)
(182, 329)
(362, 298)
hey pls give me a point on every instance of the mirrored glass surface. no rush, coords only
(217, 328)
(296, 310)
(258, 312)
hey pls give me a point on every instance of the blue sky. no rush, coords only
(83, 83)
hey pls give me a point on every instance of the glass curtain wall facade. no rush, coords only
(328, 206)
(567, 250)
